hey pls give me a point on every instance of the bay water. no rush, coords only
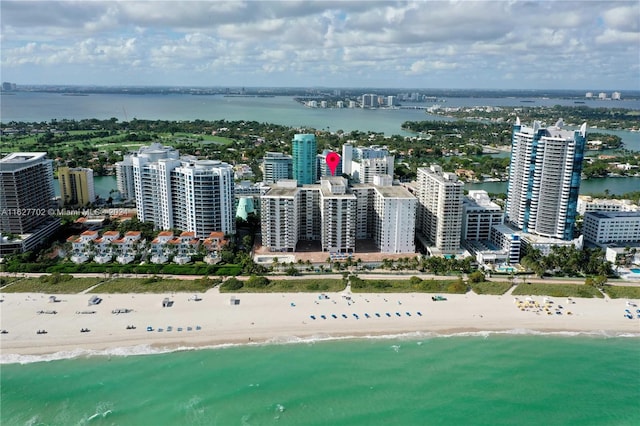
(471, 379)
(474, 379)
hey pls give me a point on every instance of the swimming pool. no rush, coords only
(635, 270)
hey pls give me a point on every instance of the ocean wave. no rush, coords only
(79, 353)
(139, 350)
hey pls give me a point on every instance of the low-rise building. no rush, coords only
(601, 227)
(587, 203)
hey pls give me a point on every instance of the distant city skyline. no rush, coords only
(578, 45)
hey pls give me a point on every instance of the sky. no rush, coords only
(510, 44)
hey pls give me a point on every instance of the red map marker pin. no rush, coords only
(332, 161)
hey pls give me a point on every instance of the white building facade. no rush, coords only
(276, 166)
(439, 217)
(183, 192)
(337, 214)
(611, 227)
(479, 214)
(544, 179)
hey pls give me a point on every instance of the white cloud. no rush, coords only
(353, 43)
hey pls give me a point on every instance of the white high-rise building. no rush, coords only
(479, 214)
(439, 217)
(276, 166)
(202, 195)
(186, 193)
(347, 157)
(124, 178)
(368, 162)
(544, 179)
(394, 217)
(322, 167)
(338, 214)
(280, 216)
(152, 167)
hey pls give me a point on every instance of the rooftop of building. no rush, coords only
(19, 157)
(611, 215)
(394, 192)
(17, 160)
(480, 199)
(279, 192)
(556, 131)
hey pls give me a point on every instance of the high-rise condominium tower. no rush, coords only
(276, 166)
(440, 208)
(183, 192)
(76, 186)
(544, 178)
(26, 194)
(304, 158)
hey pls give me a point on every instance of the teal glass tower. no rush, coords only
(304, 153)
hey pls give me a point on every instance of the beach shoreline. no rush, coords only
(274, 318)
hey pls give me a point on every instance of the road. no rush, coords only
(366, 276)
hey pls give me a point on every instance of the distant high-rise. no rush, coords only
(323, 168)
(304, 158)
(369, 100)
(276, 166)
(76, 186)
(439, 217)
(544, 179)
(26, 194)
(368, 162)
(124, 178)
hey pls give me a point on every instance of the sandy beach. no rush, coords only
(280, 317)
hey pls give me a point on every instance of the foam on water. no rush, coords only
(400, 379)
(294, 340)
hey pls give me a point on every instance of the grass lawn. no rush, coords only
(491, 287)
(205, 138)
(557, 290)
(294, 286)
(36, 285)
(154, 285)
(620, 292)
(408, 286)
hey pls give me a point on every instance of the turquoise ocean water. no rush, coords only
(481, 379)
(487, 379)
